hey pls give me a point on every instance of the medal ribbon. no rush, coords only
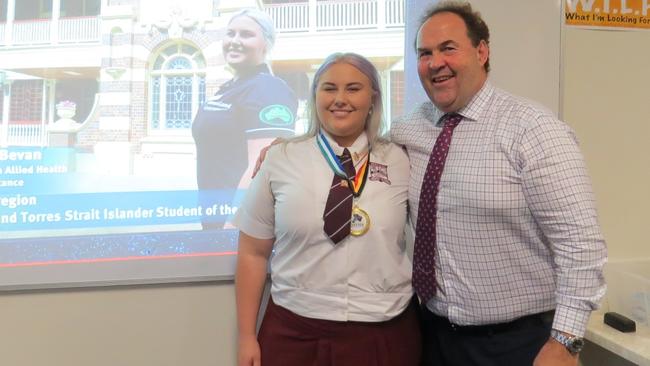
(360, 179)
(356, 183)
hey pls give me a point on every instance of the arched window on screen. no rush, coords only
(177, 88)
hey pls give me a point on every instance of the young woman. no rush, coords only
(332, 205)
(245, 114)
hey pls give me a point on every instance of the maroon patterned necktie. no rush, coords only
(424, 280)
(338, 209)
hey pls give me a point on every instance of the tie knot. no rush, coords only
(346, 162)
(452, 120)
(346, 153)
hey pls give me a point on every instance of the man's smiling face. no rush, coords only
(450, 67)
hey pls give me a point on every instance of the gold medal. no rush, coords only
(360, 222)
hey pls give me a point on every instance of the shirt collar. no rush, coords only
(358, 148)
(472, 110)
(262, 68)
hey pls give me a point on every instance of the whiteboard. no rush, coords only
(525, 60)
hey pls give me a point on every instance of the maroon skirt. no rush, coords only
(288, 339)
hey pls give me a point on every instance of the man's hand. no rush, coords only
(262, 156)
(555, 354)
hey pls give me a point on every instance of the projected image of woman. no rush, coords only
(332, 205)
(244, 115)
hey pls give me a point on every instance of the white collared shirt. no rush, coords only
(517, 230)
(362, 278)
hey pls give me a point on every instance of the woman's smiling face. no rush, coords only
(344, 98)
(244, 45)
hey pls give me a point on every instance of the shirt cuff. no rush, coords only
(571, 320)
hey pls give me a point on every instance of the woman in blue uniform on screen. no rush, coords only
(245, 114)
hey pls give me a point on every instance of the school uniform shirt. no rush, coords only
(517, 230)
(362, 278)
(255, 105)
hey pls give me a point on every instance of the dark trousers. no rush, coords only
(287, 339)
(508, 344)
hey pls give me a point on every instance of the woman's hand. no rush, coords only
(249, 351)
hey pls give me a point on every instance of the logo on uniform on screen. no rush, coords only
(216, 105)
(276, 115)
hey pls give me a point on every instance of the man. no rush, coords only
(508, 252)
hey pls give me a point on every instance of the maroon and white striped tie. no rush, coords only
(338, 208)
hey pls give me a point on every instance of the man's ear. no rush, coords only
(483, 52)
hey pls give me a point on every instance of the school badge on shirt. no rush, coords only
(378, 172)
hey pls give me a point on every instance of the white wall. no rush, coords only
(161, 325)
(606, 100)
